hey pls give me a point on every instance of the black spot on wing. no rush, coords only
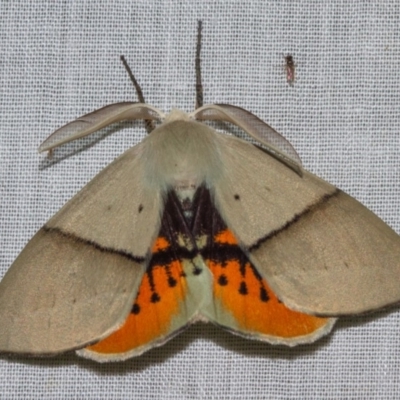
(263, 294)
(243, 288)
(135, 309)
(155, 298)
(172, 282)
(222, 280)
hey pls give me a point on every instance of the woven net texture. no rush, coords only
(60, 60)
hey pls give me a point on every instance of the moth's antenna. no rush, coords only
(199, 85)
(148, 123)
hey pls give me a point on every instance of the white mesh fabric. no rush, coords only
(60, 60)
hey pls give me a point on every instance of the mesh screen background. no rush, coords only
(60, 60)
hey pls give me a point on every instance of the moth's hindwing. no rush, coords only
(169, 296)
(242, 300)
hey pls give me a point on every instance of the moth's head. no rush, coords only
(181, 153)
(177, 115)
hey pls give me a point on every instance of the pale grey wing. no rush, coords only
(321, 251)
(75, 281)
(275, 144)
(99, 119)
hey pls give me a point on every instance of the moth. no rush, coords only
(194, 225)
(290, 68)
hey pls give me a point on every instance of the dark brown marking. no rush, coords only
(135, 309)
(237, 197)
(243, 288)
(165, 257)
(242, 267)
(187, 205)
(221, 253)
(202, 213)
(308, 210)
(155, 298)
(140, 209)
(222, 280)
(77, 239)
(263, 294)
(172, 282)
(197, 271)
(150, 277)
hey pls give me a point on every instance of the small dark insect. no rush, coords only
(290, 68)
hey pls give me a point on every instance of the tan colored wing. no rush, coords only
(117, 209)
(321, 251)
(75, 281)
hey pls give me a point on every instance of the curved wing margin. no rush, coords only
(321, 251)
(75, 281)
(275, 144)
(96, 120)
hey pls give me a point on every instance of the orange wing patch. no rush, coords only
(243, 301)
(243, 293)
(161, 292)
(164, 304)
